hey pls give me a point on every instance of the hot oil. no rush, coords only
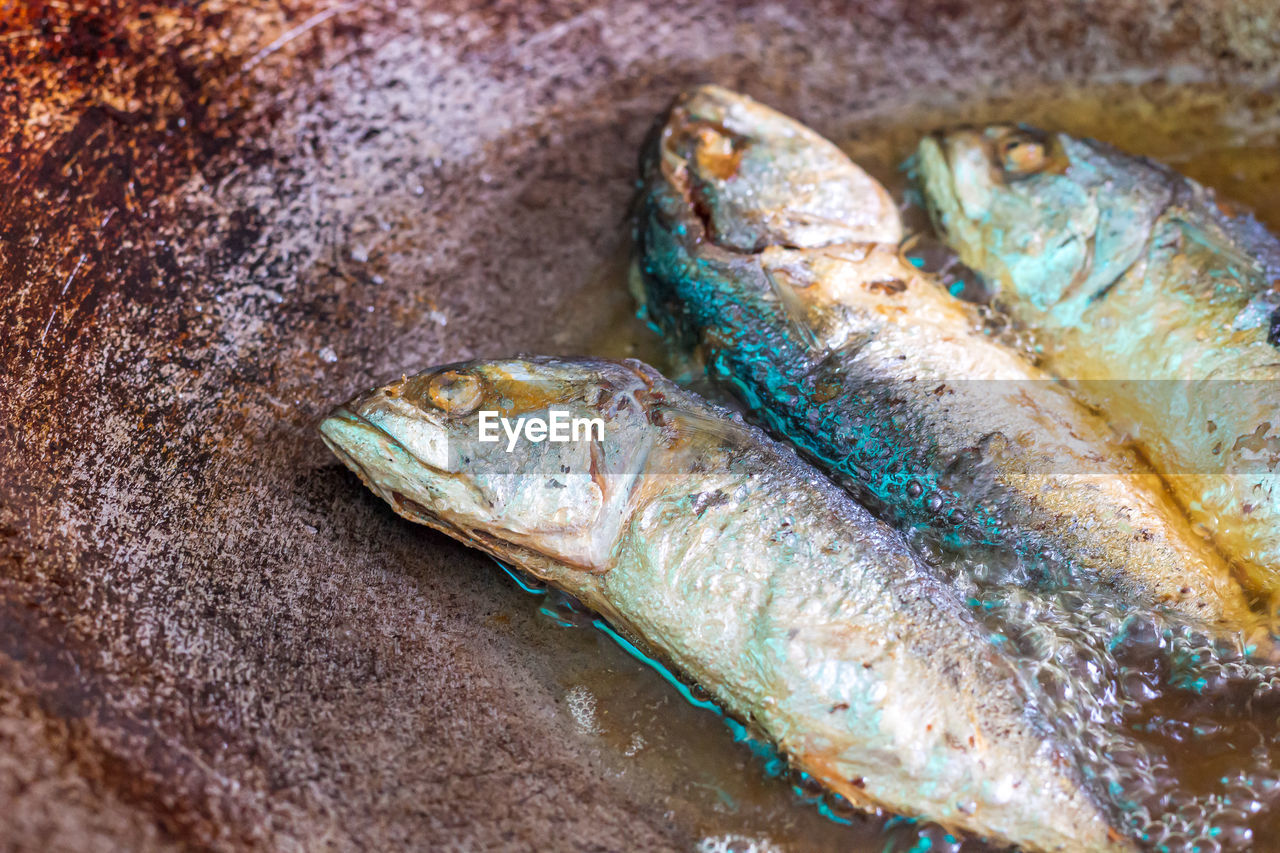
(1215, 739)
(698, 768)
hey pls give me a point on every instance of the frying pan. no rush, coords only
(219, 219)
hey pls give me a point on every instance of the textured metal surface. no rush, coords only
(217, 221)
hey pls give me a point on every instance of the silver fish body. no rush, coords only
(721, 551)
(883, 378)
(1157, 303)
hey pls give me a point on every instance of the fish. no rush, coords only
(1156, 301)
(767, 251)
(720, 551)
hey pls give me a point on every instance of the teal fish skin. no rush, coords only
(882, 378)
(721, 551)
(1154, 300)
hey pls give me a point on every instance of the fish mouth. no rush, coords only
(361, 435)
(351, 438)
(340, 431)
(737, 162)
(333, 430)
(368, 450)
(954, 180)
(937, 178)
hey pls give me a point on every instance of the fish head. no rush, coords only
(437, 448)
(757, 178)
(1049, 220)
(729, 184)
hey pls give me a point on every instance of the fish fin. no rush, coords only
(685, 422)
(792, 310)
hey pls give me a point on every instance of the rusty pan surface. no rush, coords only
(217, 220)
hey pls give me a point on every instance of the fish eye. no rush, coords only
(455, 392)
(1022, 154)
